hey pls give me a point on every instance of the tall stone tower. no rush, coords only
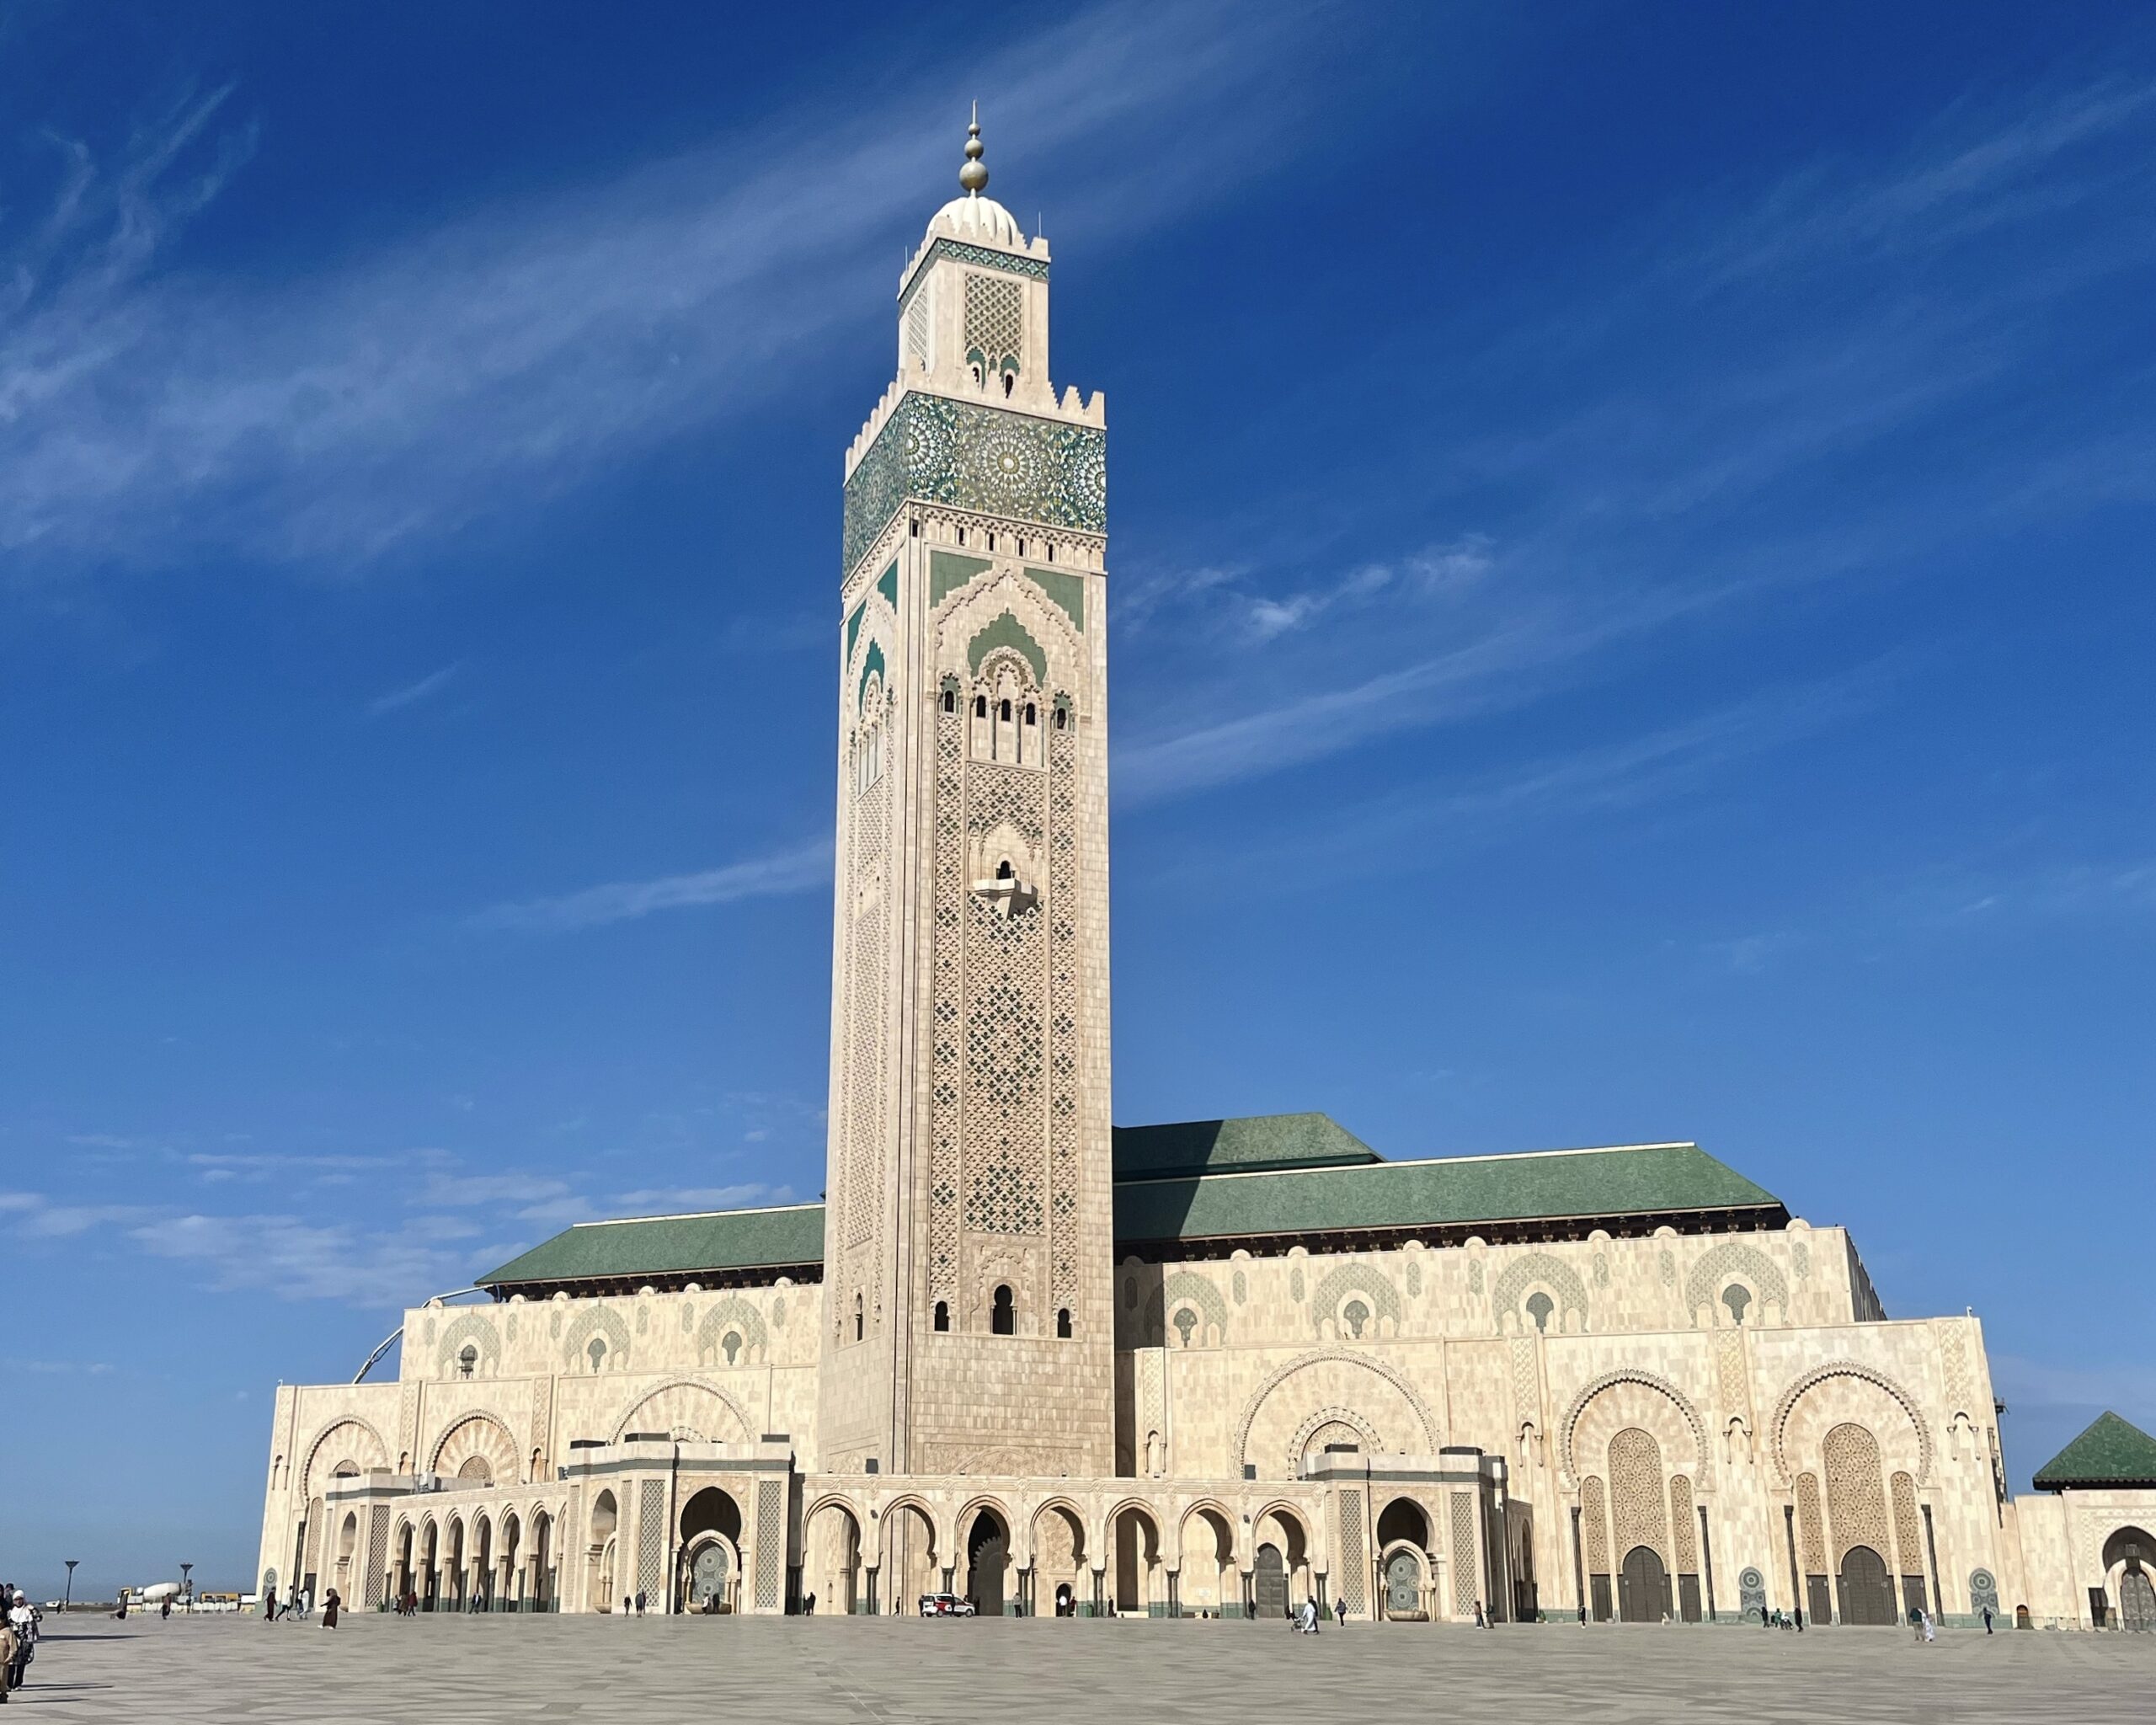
(969, 1231)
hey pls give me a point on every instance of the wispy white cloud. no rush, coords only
(802, 869)
(296, 1259)
(502, 354)
(412, 693)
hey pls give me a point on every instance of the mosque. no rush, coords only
(1214, 1368)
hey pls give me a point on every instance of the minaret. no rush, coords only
(968, 1232)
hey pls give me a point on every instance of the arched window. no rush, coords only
(1032, 716)
(1738, 1299)
(1009, 379)
(962, 535)
(1062, 1324)
(467, 1359)
(942, 1315)
(859, 1329)
(1003, 1321)
(1051, 551)
(950, 700)
(980, 707)
(1003, 712)
(1004, 871)
(1062, 718)
(1539, 1305)
(597, 1353)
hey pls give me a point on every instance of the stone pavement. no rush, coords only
(660, 1671)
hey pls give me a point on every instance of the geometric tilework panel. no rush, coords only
(1354, 1591)
(1635, 1493)
(771, 1542)
(1811, 1540)
(651, 1534)
(1463, 1592)
(1594, 1526)
(1856, 1505)
(377, 1554)
(1682, 1519)
(982, 458)
(1905, 1535)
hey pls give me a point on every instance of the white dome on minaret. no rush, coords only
(971, 215)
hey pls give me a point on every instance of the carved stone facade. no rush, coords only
(956, 1377)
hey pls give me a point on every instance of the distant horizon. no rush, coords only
(1629, 572)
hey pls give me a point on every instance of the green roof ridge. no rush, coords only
(1244, 1142)
(2110, 1452)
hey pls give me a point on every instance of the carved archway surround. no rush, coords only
(321, 1436)
(1347, 1356)
(1325, 1417)
(1846, 1369)
(1609, 1380)
(450, 1427)
(733, 1407)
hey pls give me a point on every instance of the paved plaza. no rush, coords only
(659, 1671)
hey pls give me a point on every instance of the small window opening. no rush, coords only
(1008, 378)
(980, 707)
(731, 1344)
(859, 1329)
(1539, 1305)
(1062, 1324)
(942, 1315)
(597, 1353)
(1031, 717)
(1051, 551)
(977, 376)
(914, 527)
(1003, 870)
(962, 535)
(1738, 1299)
(1186, 1323)
(466, 1360)
(1357, 1315)
(950, 700)
(1003, 1321)
(1003, 712)
(1062, 718)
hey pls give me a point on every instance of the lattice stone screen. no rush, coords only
(1856, 1505)
(771, 1544)
(1464, 1566)
(372, 1592)
(1636, 1492)
(994, 320)
(1354, 1562)
(917, 332)
(651, 1535)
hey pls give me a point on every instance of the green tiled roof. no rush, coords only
(1221, 1147)
(720, 1239)
(2109, 1453)
(1210, 1180)
(1641, 1179)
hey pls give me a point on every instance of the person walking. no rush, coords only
(9, 1648)
(21, 1620)
(1480, 1621)
(1986, 1620)
(1931, 1630)
(639, 1602)
(1916, 1624)
(330, 1602)
(1800, 1619)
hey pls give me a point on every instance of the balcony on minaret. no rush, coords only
(1006, 893)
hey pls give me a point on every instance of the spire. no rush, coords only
(974, 176)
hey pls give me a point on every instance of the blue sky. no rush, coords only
(1632, 600)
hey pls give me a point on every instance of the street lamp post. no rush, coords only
(67, 1598)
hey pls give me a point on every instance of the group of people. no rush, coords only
(297, 1604)
(19, 1632)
